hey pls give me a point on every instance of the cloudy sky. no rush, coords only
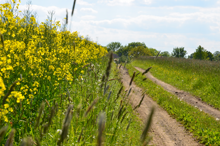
(160, 24)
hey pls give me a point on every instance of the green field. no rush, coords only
(200, 78)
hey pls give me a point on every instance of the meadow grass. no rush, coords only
(200, 78)
(204, 127)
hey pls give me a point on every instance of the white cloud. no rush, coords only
(42, 12)
(218, 2)
(89, 10)
(88, 17)
(147, 2)
(81, 2)
(117, 2)
(160, 41)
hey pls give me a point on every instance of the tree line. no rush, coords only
(136, 49)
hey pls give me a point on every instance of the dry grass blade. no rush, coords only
(86, 65)
(111, 79)
(66, 16)
(147, 127)
(39, 114)
(74, 3)
(91, 106)
(132, 78)
(47, 103)
(9, 92)
(3, 132)
(146, 71)
(10, 139)
(101, 127)
(2, 40)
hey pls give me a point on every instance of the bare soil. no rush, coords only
(190, 99)
(165, 130)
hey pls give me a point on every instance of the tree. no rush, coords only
(216, 55)
(200, 53)
(165, 54)
(179, 52)
(136, 44)
(191, 56)
(209, 56)
(124, 50)
(139, 51)
(113, 46)
(153, 51)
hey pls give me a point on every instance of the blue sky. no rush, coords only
(160, 24)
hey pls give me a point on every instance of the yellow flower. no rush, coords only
(82, 71)
(6, 119)
(11, 109)
(6, 106)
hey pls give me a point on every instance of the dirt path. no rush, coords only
(184, 96)
(165, 130)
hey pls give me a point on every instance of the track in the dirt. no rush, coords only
(184, 96)
(165, 130)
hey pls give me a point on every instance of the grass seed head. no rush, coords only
(132, 78)
(66, 16)
(39, 114)
(147, 127)
(101, 127)
(27, 142)
(128, 125)
(3, 131)
(109, 66)
(2, 40)
(91, 106)
(109, 95)
(10, 139)
(129, 92)
(146, 71)
(74, 3)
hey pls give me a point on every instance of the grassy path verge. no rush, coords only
(203, 126)
(200, 78)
